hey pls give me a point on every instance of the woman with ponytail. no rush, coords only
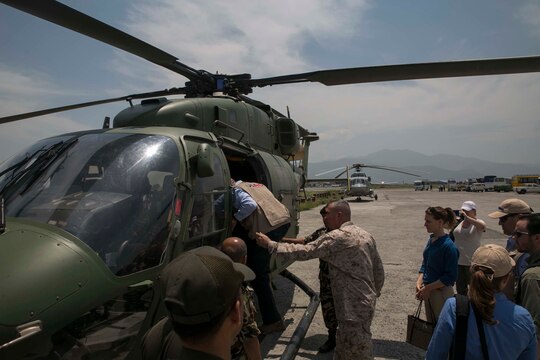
(508, 328)
(438, 272)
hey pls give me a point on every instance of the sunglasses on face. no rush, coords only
(517, 234)
(506, 217)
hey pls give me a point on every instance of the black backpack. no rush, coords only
(457, 351)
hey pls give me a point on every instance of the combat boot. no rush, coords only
(330, 344)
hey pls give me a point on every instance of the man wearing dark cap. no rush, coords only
(508, 214)
(202, 290)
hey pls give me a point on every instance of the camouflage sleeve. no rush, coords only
(320, 248)
(315, 235)
(249, 327)
(378, 269)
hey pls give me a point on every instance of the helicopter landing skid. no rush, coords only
(300, 332)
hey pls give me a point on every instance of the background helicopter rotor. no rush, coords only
(358, 167)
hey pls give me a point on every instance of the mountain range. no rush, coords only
(432, 167)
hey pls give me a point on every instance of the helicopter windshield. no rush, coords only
(112, 191)
(358, 182)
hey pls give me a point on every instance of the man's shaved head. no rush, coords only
(344, 207)
(235, 248)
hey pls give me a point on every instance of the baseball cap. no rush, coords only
(468, 206)
(510, 207)
(495, 258)
(202, 284)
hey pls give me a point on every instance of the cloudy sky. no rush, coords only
(494, 118)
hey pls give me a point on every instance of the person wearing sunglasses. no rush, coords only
(527, 237)
(508, 213)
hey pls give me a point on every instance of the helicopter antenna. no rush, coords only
(288, 112)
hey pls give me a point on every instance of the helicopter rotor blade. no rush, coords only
(329, 171)
(172, 91)
(67, 17)
(341, 173)
(389, 169)
(409, 72)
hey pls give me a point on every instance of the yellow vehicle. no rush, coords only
(521, 180)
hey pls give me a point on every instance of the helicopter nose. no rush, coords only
(38, 270)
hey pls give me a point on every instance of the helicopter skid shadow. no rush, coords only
(359, 200)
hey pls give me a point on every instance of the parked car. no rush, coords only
(478, 187)
(502, 188)
(527, 188)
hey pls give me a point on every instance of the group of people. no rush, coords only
(211, 312)
(499, 288)
(210, 307)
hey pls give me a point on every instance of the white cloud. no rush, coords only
(529, 14)
(28, 84)
(242, 36)
(16, 136)
(25, 92)
(466, 116)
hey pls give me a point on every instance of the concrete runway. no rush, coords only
(396, 221)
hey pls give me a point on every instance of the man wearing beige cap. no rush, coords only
(202, 294)
(508, 213)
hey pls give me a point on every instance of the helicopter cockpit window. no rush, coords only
(112, 191)
(207, 220)
(358, 182)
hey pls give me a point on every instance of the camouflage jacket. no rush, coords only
(249, 327)
(315, 235)
(323, 265)
(356, 269)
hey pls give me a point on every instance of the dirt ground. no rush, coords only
(396, 222)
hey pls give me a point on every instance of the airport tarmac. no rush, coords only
(396, 221)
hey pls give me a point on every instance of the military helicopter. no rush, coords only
(358, 183)
(90, 218)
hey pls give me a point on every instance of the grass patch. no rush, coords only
(316, 198)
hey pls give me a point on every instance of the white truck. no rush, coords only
(527, 188)
(478, 187)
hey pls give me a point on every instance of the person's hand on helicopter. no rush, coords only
(262, 240)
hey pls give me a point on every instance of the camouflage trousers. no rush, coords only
(354, 342)
(327, 300)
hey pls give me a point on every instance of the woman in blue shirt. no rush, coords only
(509, 328)
(438, 272)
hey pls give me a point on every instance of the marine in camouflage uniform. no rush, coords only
(325, 289)
(356, 277)
(249, 327)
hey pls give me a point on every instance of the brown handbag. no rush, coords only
(419, 331)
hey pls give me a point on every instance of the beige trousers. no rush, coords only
(436, 301)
